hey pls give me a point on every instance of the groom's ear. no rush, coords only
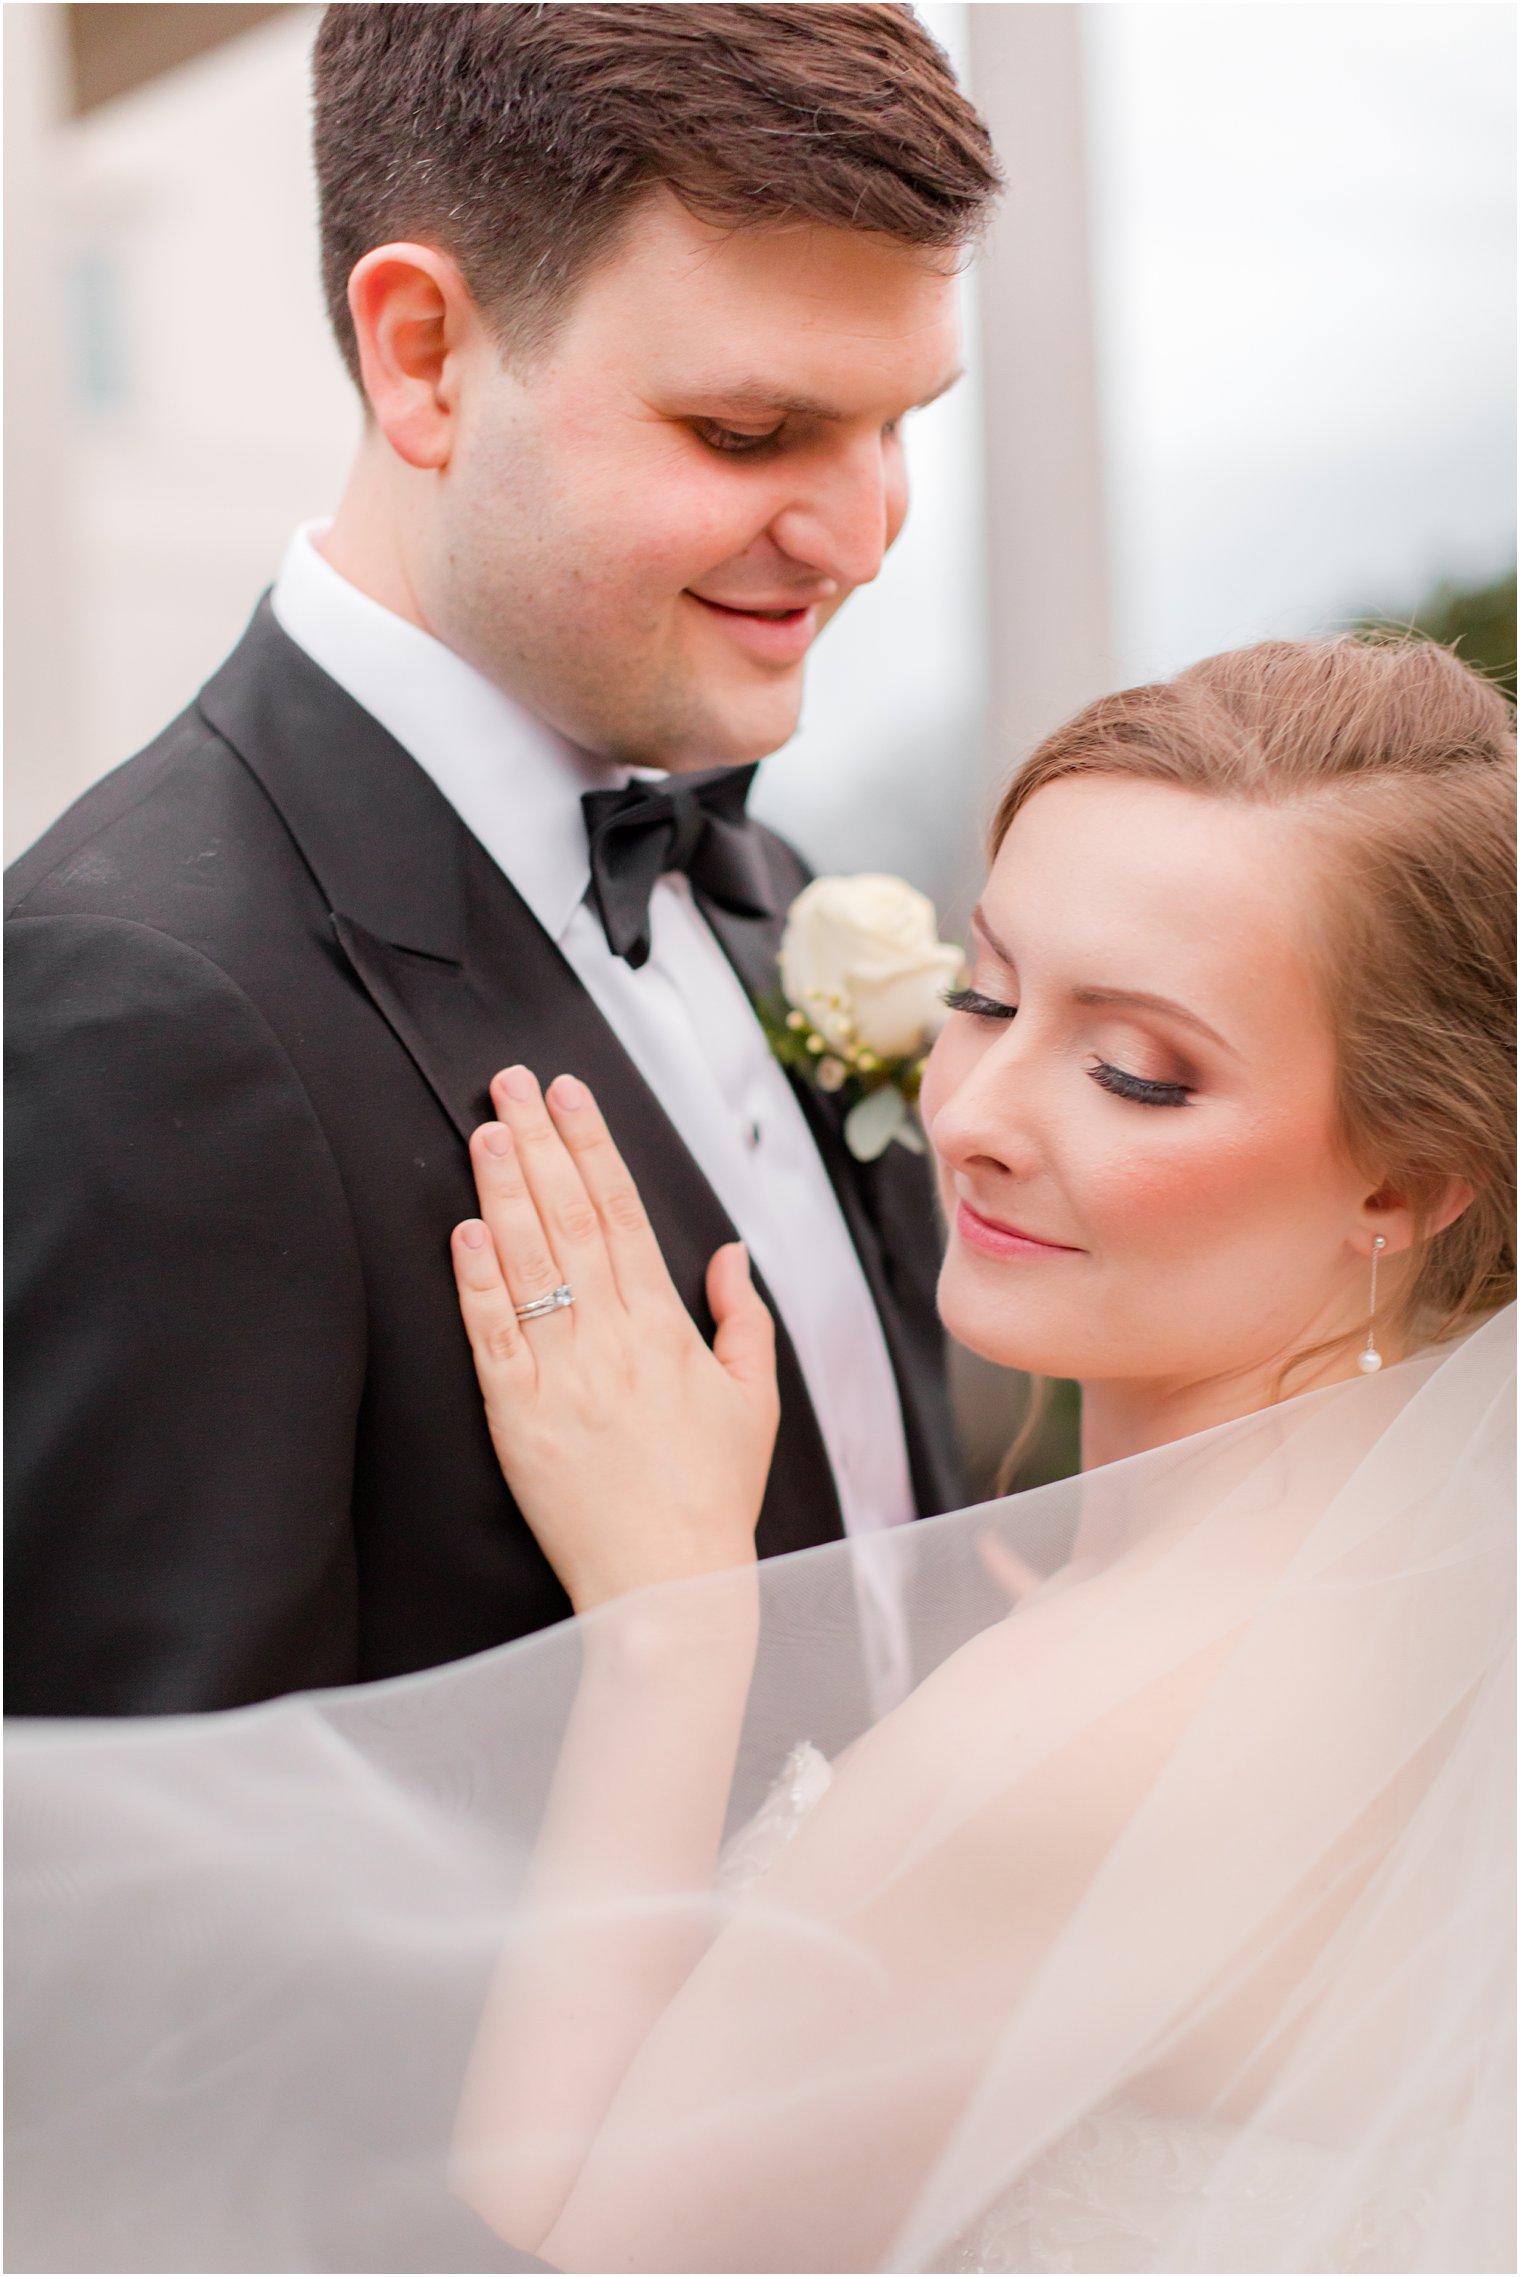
(415, 323)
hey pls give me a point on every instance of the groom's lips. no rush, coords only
(994, 1239)
(776, 635)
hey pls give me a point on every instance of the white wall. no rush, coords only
(203, 411)
(45, 763)
(220, 413)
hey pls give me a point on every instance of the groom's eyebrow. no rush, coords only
(754, 398)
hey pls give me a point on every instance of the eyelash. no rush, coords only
(979, 1006)
(732, 442)
(1138, 1088)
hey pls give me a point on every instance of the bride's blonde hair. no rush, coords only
(1403, 760)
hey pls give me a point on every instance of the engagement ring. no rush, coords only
(555, 1301)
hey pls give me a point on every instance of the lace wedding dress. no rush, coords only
(1112, 2194)
(1166, 1924)
(1109, 2194)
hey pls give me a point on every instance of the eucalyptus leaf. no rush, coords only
(873, 1122)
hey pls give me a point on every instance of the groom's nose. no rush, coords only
(846, 510)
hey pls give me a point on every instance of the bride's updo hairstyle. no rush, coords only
(1402, 759)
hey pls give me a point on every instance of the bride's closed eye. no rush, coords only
(979, 1006)
(1142, 1089)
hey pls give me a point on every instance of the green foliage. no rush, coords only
(789, 1044)
(843, 1068)
(1478, 621)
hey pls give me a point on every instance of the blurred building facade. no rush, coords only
(187, 407)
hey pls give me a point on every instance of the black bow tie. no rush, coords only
(694, 823)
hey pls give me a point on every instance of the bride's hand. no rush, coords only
(635, 1453)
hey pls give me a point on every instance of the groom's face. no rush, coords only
(645, 529)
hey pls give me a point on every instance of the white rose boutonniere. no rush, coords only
(863, 978)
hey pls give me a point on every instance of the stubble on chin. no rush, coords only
(697, 730)
(622, 684)
(647, 709)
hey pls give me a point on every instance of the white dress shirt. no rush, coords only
(683, 1018)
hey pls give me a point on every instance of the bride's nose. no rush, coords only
(983, 1116)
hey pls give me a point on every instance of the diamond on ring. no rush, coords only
(541, 1307)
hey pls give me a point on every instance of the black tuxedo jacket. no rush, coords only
(258, 981)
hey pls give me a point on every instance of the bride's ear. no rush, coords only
(1392, 1215)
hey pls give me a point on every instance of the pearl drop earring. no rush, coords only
(1372, 1359)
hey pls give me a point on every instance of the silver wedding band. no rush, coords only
(541, 1307)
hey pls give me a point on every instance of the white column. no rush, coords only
(1049, 638)
(43, 767)
(1049, 622)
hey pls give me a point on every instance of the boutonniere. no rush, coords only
(863, 978)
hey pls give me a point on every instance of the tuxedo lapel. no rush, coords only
(513, 998)
(382, 842)
(752, 945)
(518, 1001)
(467, 979)
(889, 1207)
(442, 942)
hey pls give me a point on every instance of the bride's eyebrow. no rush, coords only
(980, 925)
(1141, 998)
(1145, 1002)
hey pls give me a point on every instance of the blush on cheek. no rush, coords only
(1142, 1194)
(1172, 1199)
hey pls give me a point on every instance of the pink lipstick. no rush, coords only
(995, 1240)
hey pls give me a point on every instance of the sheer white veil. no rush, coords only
(1167, 1923)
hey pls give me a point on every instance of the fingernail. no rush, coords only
(518, 1084)
(498, 1138)
(567, 1093)
(473, 1234)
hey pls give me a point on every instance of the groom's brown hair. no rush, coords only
(518, 139)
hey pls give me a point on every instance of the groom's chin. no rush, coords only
(735, 726)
